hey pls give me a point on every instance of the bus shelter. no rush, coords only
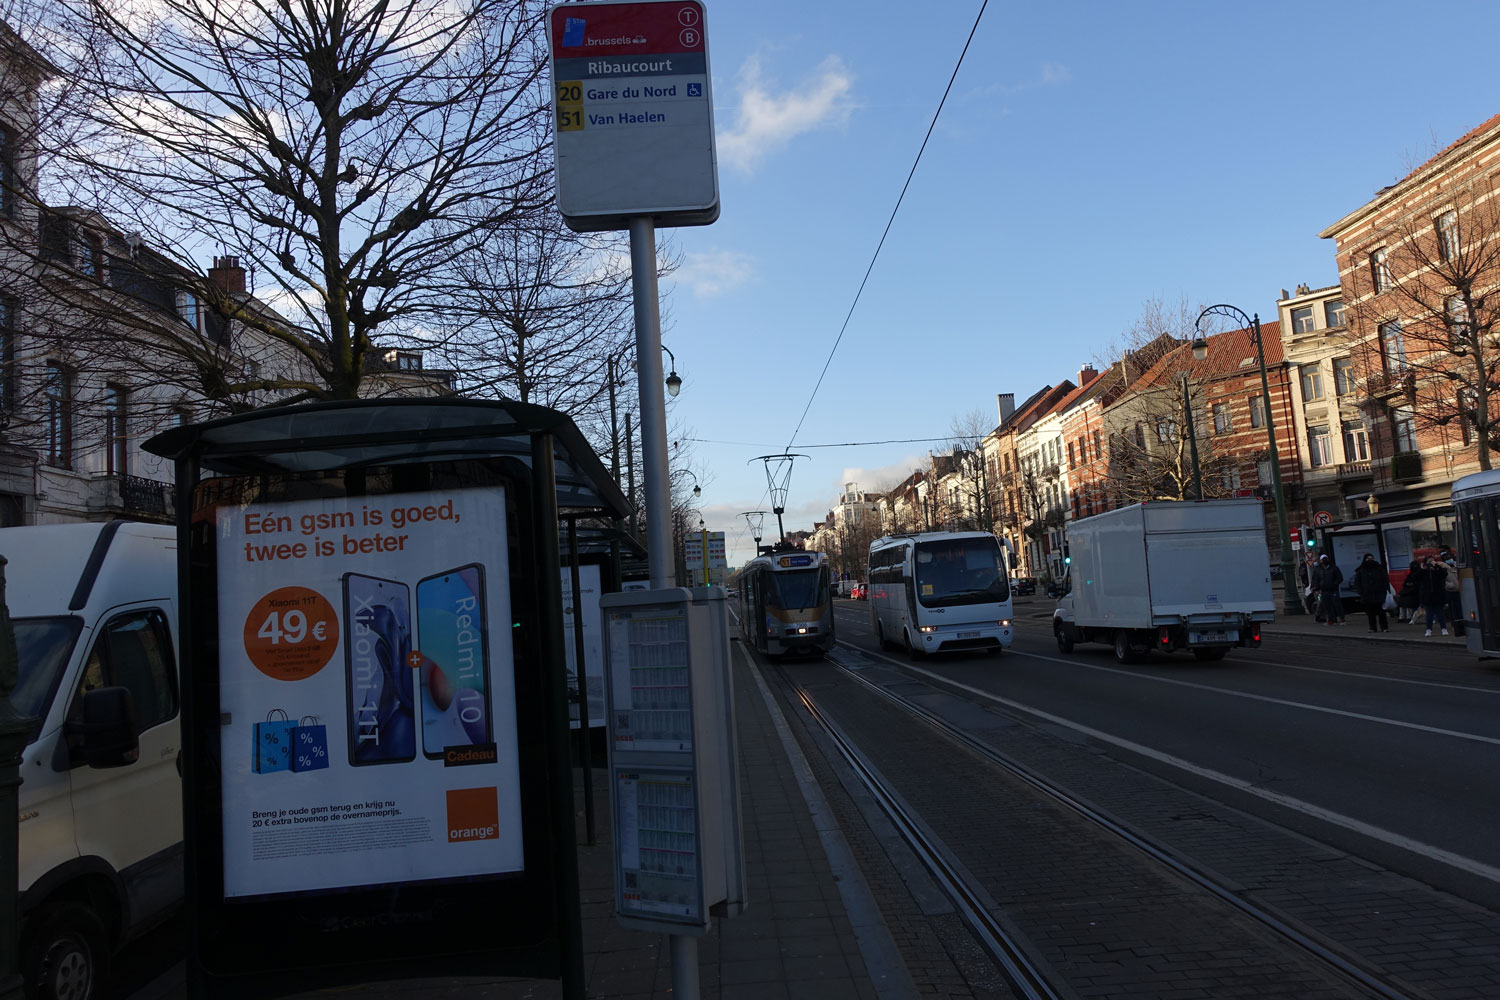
(377, 781)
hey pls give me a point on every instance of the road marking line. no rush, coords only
(1458, 861)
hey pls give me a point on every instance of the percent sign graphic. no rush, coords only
(291, 633)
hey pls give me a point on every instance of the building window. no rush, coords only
(1263, 474)
(1392, 347)
(1072, 463)
(1222, 423)
(1302, 320)
(1458, 324)
(7, 172)
(1166, 430)
(90, 256)
(1468, 407)
(116, 439)
(189, 310)
(1312, 382)
(1380, 271)
(1140, 436)
(1229, 478)
(1447, 235)
(1343, 376)
(58, 383)
(1356, 442)
(1319, 447)
(1098, 447)
(1333, 313)
(1404, 423)
(7, 355)
(1257, 411)
(180, 416)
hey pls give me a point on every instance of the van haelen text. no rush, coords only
(627, 94)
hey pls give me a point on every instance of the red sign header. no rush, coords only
(615, 29)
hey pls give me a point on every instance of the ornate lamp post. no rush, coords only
(1291, 603)
(1200, 351)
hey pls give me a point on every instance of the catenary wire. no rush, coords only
(889, 222)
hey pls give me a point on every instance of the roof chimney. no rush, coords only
(1007, 404)
(1086, 374)
(228, 274)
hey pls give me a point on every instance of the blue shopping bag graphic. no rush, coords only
(273, 743)
(309, 745)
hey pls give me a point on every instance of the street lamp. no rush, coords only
(1200, 351)
(674, 384)
(1291, 603)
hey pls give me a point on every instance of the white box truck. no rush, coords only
(1168, 575)
(94, 608)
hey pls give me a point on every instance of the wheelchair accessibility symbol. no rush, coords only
(695, 90)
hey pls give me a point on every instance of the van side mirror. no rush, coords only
(104, 733)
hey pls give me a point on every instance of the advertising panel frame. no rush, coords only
(521, 923)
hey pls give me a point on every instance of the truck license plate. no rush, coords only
(968, 635)
(1214, 636)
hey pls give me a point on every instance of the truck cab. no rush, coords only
(94, 608)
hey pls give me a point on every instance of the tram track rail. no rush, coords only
(1008, 953)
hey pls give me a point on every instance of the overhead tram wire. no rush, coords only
(889, 222)
(835, 444)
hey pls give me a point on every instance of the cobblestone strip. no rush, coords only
(1113, 923)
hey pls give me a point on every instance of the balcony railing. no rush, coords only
(145, 496)
(1406, 467)
(1384, 384)
(1354, 470)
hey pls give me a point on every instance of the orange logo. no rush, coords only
(473, 814)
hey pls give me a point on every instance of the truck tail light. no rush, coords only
(1255, 633)
(1166, 637)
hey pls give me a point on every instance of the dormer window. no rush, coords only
(90, 253)
(189, 310)
(406, 361)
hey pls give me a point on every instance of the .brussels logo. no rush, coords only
(573, 32)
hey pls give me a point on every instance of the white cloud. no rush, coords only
(713, 272)
(873, 480)
(1050, 74)
(768, 120)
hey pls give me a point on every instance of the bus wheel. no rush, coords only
(880, 636)
(1123, 652)
(1064, 643)
(912, 652)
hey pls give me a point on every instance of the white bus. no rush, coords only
(940, 591)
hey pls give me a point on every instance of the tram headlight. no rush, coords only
(802, 631)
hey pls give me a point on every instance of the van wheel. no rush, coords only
(1064, 642)
(1210, 654)
(1123, 652)
(65, 957)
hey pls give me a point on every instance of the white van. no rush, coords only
(95, 614)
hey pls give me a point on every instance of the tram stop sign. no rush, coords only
(633, 110)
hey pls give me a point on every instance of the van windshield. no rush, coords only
(43, 646)
(960, 571)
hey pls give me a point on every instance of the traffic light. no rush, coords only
(1308, 538)
(1067, 558)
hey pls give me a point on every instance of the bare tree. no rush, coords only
(979, 493)
(347, 155)
(1426, 297)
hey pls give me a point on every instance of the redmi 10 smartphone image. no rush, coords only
(378, 674)
(455, 669)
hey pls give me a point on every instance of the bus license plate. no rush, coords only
(1229, 636)
(968, 635)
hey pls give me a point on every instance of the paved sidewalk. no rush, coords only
(796, 940)
(1357, 626)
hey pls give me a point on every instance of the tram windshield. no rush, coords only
(798, 588)
(960, 571)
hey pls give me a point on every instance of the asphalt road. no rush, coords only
(1386, 750)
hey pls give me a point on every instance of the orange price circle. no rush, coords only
(291, 633)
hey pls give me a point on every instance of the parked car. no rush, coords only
(1024, 585)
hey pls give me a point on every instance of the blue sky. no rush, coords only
(1092, 156)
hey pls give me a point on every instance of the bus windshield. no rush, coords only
(960, 571)
(797, 589)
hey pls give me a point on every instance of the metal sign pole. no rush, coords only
(658, 487)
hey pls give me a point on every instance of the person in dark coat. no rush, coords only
(1410, 598)
(1373, 583)
(1326, 580)
(1454, 588)
(1434, 593)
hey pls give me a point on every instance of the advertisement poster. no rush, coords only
(367, 695)
(589, 589)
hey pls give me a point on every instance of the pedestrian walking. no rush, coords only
(1373, 584)
(1410, 597)
(1454, 590)
(1433, 589)
(1309, 595)
(1326, 580)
